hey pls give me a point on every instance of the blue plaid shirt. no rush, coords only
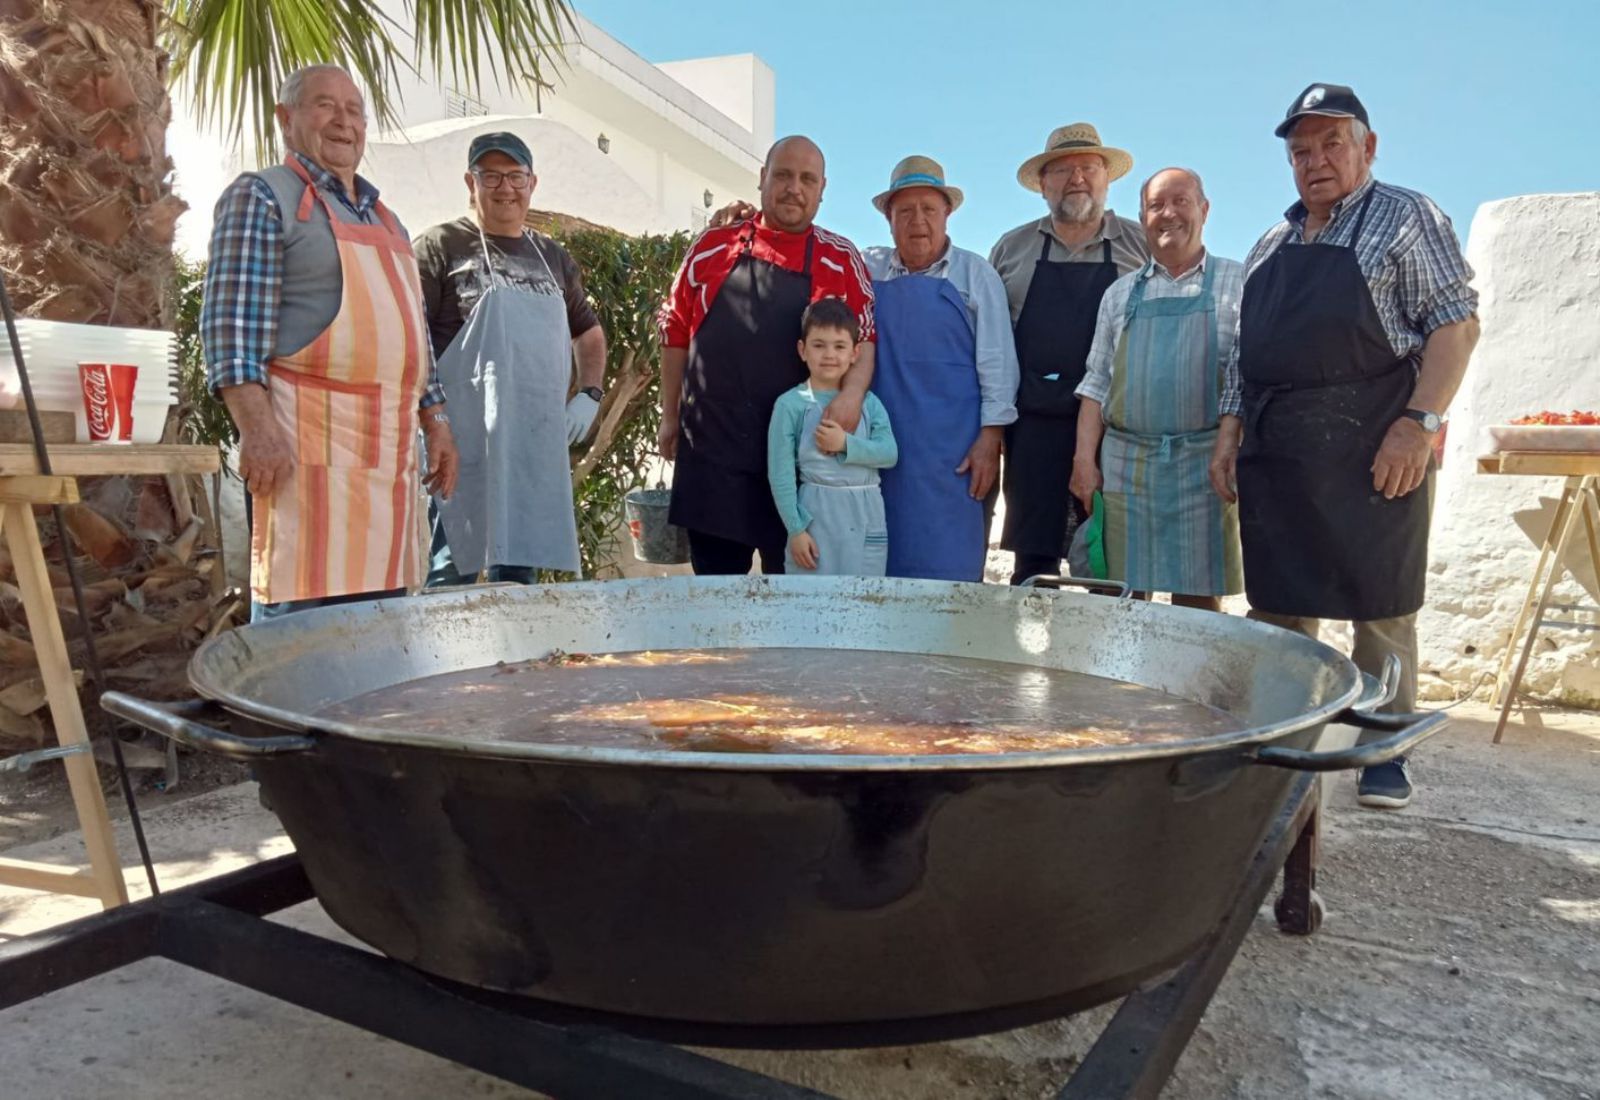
(244, 278)
(1408, 252)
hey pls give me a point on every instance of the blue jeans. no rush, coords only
(442, 571)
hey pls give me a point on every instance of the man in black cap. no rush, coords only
(1356, 323)
(508, 315)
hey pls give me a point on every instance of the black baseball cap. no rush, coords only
(1328, 100)
(500, 142)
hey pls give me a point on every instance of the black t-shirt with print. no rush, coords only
(454, 276)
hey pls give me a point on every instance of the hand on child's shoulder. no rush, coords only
(830, 437)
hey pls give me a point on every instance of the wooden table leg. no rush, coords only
(1590, 497)
(1502, 680)
(1566, 521)
(55, 667)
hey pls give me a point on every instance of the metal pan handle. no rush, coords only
(1407, 731)
(25, 760)
(1046, 580)
(1382, 690)
(180, 722)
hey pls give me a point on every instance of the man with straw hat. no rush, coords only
(946, 372)
(1055, 271)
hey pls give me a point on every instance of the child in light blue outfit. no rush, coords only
(824, 479)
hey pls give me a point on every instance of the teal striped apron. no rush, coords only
(1165, 529)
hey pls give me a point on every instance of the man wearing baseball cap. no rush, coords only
(947, 374)
(508, 315)
(1055, 270)
(1356, 323)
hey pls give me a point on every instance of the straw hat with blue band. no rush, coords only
(1064, 141)
(916, 171)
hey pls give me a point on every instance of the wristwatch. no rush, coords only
(1431, 422)
(595, 392)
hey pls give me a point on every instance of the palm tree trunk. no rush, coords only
(86, 206)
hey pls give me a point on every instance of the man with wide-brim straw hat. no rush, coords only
(1072, 140)
(1055, 270)
(946, 372)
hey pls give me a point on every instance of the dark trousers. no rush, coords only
(717, 557)
(1034, 565)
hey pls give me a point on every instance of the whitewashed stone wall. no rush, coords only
(1537, 259)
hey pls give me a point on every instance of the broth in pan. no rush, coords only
(785, 701)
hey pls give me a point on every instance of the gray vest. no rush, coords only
(313, 284)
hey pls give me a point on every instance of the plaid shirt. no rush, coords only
(1408, 254)
(244, 278)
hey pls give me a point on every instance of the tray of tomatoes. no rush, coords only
(1573, 432)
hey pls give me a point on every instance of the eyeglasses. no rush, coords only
(1067, 171)
(492, 179)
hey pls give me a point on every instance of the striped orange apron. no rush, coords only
(347, 522)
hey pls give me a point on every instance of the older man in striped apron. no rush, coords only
(315, 338)
(1151, 389)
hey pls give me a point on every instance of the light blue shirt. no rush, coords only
(1227, 287)
(876, 449)
(985, 295)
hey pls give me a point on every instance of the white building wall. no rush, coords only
(666, 138)
(1537, 264)
(422, 175)
(741, 86)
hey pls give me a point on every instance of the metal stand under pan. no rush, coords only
(218, 927)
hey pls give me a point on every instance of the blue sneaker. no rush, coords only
(1385, 786)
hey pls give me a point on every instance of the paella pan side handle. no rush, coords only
(1045, 580)
(1406, 731)
(1384, 688)
(179, 722)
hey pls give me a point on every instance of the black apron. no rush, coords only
(1054, 332)
(742, 358)
(1321, 388)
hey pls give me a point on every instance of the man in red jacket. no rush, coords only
(729, 329)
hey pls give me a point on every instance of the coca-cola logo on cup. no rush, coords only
(97, 406)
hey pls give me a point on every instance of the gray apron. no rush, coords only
(845, 505)
(505, 378)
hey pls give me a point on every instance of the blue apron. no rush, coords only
(926, 375)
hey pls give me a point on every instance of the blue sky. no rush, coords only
(1472, 100)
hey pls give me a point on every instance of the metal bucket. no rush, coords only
(655, 540)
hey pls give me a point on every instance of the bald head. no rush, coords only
(792, 182)
(797, 142)
(1173, 209)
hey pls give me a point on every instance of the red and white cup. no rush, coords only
(108, 400)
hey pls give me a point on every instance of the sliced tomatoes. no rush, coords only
(1555, 418)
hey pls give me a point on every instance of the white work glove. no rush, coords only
(580, 417)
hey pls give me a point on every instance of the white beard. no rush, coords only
(1078, 209)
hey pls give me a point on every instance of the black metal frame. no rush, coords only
(216, 927)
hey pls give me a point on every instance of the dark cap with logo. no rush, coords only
(500, 142)
(1328, 100)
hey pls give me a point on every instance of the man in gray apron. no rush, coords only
(508, 315)
(1055, 270)
(1356, 324)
